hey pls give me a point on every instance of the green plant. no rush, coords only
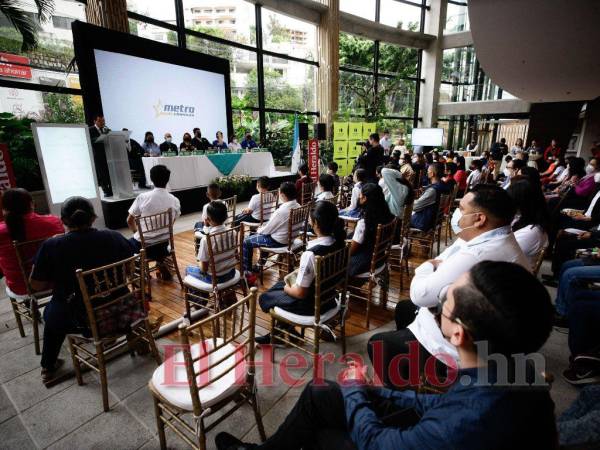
(63, 108)
(25, 23)
(16, 133)
(234, 184)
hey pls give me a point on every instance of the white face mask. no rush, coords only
(589, 169)
(169, 140)
(507, 172)
(454, 222)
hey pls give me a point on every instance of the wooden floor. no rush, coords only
(167, 297)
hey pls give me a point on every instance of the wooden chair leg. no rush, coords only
(343, 335)
(148, 280)
(188, 308)
(369, 295)
(272, 334)
(258, 417)
(18, 318)
(159, 424)
(202, 437)
(35, 322)
(76, 363)
(103, 376)
(176, 268)
(316, 359)
(152, 343)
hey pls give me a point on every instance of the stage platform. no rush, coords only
(115, 210)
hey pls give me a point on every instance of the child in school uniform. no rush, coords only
(325, 187)
(272, 234)
(252, 212)
(360, 176)
(299, 297)
(213, 193)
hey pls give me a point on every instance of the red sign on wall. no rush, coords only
(313, 158)
(14, 66)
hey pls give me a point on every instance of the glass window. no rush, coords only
(396, 60)
(152, 32)
(245, 121)
(242, 65)
(398, 128)
(356, 51)
(289, 84)
(280, 135)
(228, 19)
(457, 18)
(397, 97)
(160, 10)
(360, 8)
(293, 37)
(356, 93)
(400, 15)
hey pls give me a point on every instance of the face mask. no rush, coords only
(169, 140)
(456, 229)
(507, 172)
(589, 169)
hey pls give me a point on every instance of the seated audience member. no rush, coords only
(304, 177)
(553, 151)
(475, 413)
(395, 158)
(401, 146)
(374, 212)
(555, 168)
(574, 282)
(252, 212)
(485, 158)
(21, 224)
(398, 191)
(156, 201)
(564, 175)
(460, 176)
(584, 344)
(186, 145)
(332, 169)
(167, 145)
(406, 169)
(474, 177)
(354, 210)
(299, 297)
(534, 148)
(219, 142)
(576, 174)
(150, 147)
(213, 193)
(585, 187)
(532, 174)
(248, 143)
(325, 186)
(272, 234)
(234, 145)
(216, 215)
(425, 207)
(482, 222)
(450, 169)
(511, 170)
(83, 247)
(419, 166)
(472, 146)
(199, 142)
(517, 148)
(531, 222)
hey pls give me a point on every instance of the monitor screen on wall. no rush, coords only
(145, 86)
(428, 137)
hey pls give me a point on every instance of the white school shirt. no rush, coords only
(307, 270)
(254, 205)
(473, 178)
(153, 202)
(223, 259)
(429, 285)
(563, 176)
(355, 193)
(359, 232)
(277, 226)
(532, 239)
(205, 209)
(325, 195)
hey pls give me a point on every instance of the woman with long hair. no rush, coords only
(82, 247)
(298, 296)
(532, 221)
(375, 212)
(21, 224)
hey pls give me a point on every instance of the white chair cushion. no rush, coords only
(170, 378)
(350, 219)
(368, 274)
(280, 250)
(195, 283)
(199, 234)
(17, 297)
(251, 224)
(306, 320)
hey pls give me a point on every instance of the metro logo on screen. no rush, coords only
(173, 110)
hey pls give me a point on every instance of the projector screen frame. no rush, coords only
(87, 38)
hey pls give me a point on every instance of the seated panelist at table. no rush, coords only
(219, 142)
(234, 145)
(149, 146)
(248, 143)
(186, 145)
(167, 145)
(198, 141)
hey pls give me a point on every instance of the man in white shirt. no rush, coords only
(386, 142)
(274, 233)
(156, 201)
(482, 225)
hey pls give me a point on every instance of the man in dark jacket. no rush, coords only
(497, 151)
(488, 320)
(98, 128)
(135, 152)
(372, 158)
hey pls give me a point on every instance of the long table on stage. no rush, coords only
(194, 171)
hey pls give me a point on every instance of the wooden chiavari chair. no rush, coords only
(426, 239)
(218, 375)
(539, 260)
(231, 203)
(307, 194)
(268, 204)
(399, 252)
(113, 296)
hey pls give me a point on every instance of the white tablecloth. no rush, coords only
(194, 171)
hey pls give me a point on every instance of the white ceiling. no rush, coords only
(539, 50)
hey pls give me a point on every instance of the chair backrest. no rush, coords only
(443, 205)
(485, 173)
(308, 193)
(297, 223)
(383, 241)
(268, 203)
(231, 203)
(335, 199)
(406, 215)
(539, 260)
(26, 252)
(113, 296)
(224, 344)
(156, 228)
(331, 278)
(223, 252)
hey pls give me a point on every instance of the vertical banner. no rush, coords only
(7, 175)
(313, 158)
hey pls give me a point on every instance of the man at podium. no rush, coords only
(99, 128)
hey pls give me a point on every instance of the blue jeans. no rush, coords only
(194, 271)
(572, 274)
(255, 241)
